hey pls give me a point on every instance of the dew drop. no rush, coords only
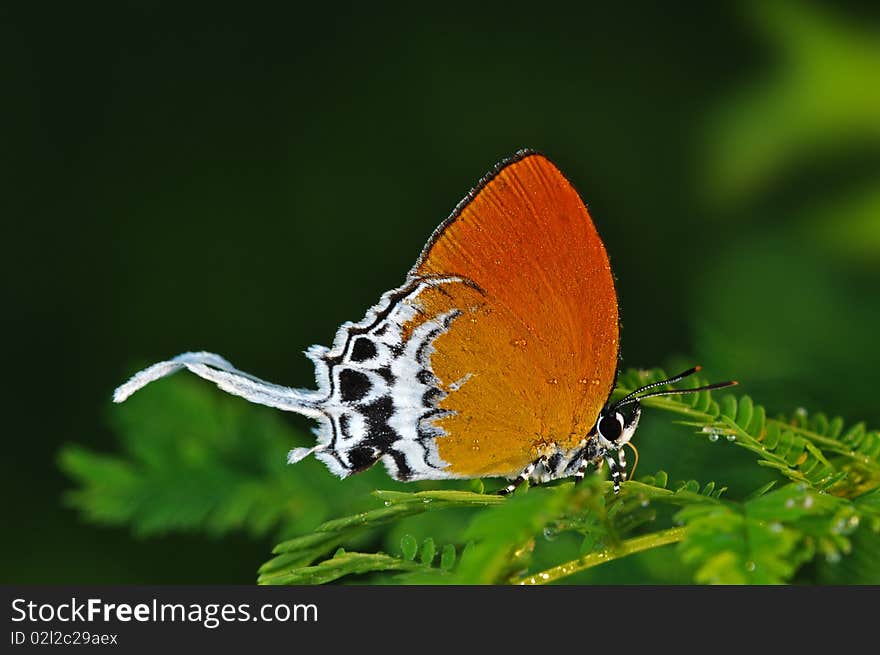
(789, 503)
(731, 437)
(427, 500)
(713, 437)
(776, 526)
(750, 566)
(808, 502)
(545, 576)
(387, 503)
(832, 557)
(550, 534)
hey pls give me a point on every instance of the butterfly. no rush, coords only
(496, 357)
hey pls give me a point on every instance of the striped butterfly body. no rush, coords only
(496, 357)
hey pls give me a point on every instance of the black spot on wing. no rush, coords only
(362, 350)
(380, 440)
(386, 374)
(353, 385)
(362, 458)
(376, 414)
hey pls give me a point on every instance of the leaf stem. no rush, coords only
(628, 547)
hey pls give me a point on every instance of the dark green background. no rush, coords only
(242, 179)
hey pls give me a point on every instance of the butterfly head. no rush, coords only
(614, 427)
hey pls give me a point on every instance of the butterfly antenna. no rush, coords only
(639, 394)
(672, 380)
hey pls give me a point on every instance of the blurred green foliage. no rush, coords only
(244, 182)
(818, 101)
(791, 159)
(192, 461)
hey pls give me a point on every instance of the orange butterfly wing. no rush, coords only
(533, 357)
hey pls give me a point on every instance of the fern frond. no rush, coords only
(765, 540)
(500, 539)
(813, 450)
(300, 552)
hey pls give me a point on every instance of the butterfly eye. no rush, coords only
(610, 427)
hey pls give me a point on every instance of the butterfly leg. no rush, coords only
(615, 469)
(618, 471)
(621, 460)
(525, 475)
(589, 454)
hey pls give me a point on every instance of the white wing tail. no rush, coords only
(218, 370)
